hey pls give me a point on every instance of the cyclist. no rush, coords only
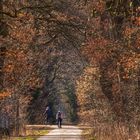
(48, 114)
(59, 118)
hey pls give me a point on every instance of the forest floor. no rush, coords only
(64, 133)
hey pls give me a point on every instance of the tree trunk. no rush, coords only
(105, 81)
(3, 33)
(2, 57)
(139, 79)
(17, 126)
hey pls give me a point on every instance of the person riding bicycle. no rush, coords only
(48, 114)
(59, 118)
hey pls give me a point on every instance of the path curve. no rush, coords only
(64, 133)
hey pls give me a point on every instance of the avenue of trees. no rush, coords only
(80, 56)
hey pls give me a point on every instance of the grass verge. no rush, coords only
(87, 134)
(33, 134)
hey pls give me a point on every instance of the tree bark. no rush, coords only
(3, 34)
(17, 125)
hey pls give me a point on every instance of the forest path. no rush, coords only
(64, 133)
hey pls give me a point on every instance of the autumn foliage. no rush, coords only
(81, 55)
(112, 50)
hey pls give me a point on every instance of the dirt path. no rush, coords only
(64, 133)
